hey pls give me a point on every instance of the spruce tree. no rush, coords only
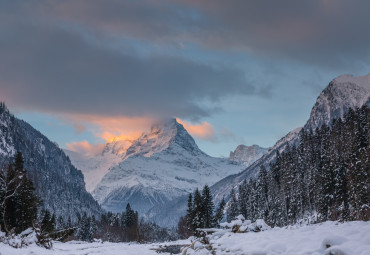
(219, 214)
(233, 208)
(129, 216)
(208, 207)
(243, 199)
(190, 213)
(198, 220)
(18, 200)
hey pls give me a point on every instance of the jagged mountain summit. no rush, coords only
(58, 183)
(161, 165)
(247, 155)
(342, 93)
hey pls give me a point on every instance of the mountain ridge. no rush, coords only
(58, 183)
(341, 94)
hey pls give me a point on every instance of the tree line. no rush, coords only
(324, 177)
(21, 209)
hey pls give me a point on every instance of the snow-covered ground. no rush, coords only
(351, 238)
(83, 248)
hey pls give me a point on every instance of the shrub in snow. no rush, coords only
(25, 238)
(240, 225)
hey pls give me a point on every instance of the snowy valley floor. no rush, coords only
(344, 239)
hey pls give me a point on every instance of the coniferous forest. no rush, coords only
(21, 209)
(324, 177)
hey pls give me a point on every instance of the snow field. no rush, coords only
(84, 248)
(329, 238)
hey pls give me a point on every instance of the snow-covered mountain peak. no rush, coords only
(162, 136)
(247, 154)
(342, 93)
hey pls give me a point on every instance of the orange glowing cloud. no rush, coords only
(85, 148)
(108, 128)
(203, 130)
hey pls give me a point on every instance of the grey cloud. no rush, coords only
(332, 33)
(51, 68)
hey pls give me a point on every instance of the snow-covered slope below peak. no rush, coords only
(93, 168)
(247, 154)
(342, 93)
(162, 177)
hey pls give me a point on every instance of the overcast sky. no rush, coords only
(234, 72)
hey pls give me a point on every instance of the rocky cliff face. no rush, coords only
(342, 93)
(247, 155)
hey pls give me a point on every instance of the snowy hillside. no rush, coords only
(162, 164)
(342, 93)
(247, 155)
(93, 168)
(59, 184)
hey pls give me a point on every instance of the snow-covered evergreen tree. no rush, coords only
(233, 207)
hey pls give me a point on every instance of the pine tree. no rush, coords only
(47, 223)
(18, 200)
(243, 199)
(208, 207)
(190, 213)
(233, 209)
(198, 211)
(129, 216)
(219, 214)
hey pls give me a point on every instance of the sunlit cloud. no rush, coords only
(204, 130)
(108, 128)
(85, 148)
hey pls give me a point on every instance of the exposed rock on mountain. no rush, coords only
(247, 154)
